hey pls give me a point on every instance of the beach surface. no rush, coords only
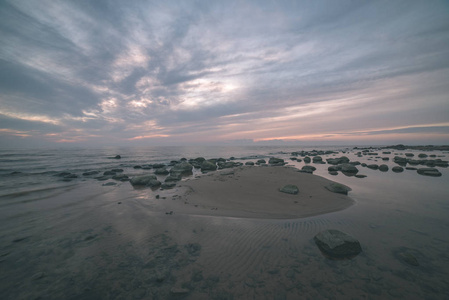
(253, 192)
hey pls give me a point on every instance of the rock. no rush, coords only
(121, 177)
(338, 160)
(108, 173)
(90, 173)
(208, 166)
(317, 159)
(143, 180)
(307, 159)
(373, 166)
(290, 189)
(308, 169)
(429, 172)
(226, 165)
(182, 168)
(360, 176)
(117, 157)
(117, 170)
(383, 168)
(337, 244)
(333, 173)
(249, 163)
(173, 177)
(397, 169)
(168, 185)
(109, 184)
(276, 161)
(333, 168)
(161, 171)
(409, 154)
(158, 166)
(261, 161)
(338, 188)
(402, 161)
(348, 169)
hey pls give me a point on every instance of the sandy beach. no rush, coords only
(253, 192)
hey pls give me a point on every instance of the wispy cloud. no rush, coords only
(208, 71)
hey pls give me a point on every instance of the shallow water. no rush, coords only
(82, 240)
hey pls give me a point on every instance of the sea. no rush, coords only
(65, 235)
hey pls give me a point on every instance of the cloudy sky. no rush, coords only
(176, 72)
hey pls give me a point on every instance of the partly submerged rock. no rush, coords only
(338, 188)
(397, 169)
(144, 180)
(429, 172)
(383, 168)
(337, 244)
(289, 189)
(183, 168)
(208, 166)
(307, 169)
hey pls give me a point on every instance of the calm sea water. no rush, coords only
(77, 239)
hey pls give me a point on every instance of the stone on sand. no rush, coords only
(338, 188)
(337, 244)
(290, 189)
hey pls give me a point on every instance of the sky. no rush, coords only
(223, 72)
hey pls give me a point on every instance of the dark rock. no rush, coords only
(158, 166)
(143, 180)
(373, 166)
(308, 169)
(90, 173)
(182, 168)
(397, 169)
(173, 177)
(385, 158)
(290, 189)
(249, 163)
(360, 176)
(109, 184)
(117, 157)
(429, 172)
(422, 155)
(208, 166)
(261, 161)
(409, 154)
(337, 244)
(117, 170)
(137, 167)
(402, 161)
(338, 188)
(383, 168)
(317, 159)
(108, 173)
(307, 159)
(333, 173)
(168, 185)
(348, 168)
(161, 171)
(121, 177)
(276, 161)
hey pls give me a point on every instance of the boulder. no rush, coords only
(161, 171)
(373, 166)
(338, 188)
(383, 168)
(333, 173)
(158, 166)
(261, 161)
(308, 169)
(121, 177)
(276, 161)
(317, 159)
(348, 169)
(142, 180)
(337, 244)
(183, 168)
(429, 172)
(289, 189)
(249, 163)
(307, 159)
(208, 165)
(397, 169)
(168, 185)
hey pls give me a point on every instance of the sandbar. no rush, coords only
(253, 192)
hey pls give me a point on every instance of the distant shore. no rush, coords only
(254, 192)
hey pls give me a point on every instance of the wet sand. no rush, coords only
(253, 192)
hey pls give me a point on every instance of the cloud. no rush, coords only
(209, 71)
